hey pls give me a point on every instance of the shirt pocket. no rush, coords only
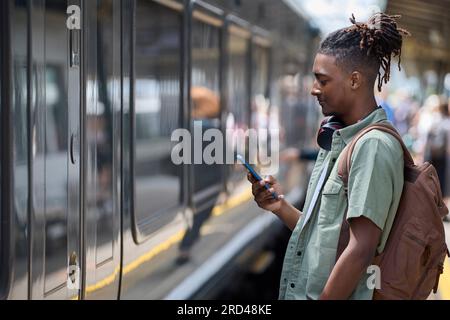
(331, 196)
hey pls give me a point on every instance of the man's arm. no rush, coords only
(280, 207)
(353, 262)
(288, 214)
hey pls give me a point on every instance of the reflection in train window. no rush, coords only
(20, 112)
(260, 101)
(20, 140)
(102, 127)
(157, 104)
(238, 97)
(54, 202)
(237, 81)
(293, 111)
(205, 97)
(260, 58)
(56, 129)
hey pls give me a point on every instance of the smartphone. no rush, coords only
(255, 174)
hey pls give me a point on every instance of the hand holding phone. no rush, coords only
(255, 174)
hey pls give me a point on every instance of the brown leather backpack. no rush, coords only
(413, 257)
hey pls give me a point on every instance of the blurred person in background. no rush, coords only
(437, 148)
(382, 99)
(427, 117)
(404, 111)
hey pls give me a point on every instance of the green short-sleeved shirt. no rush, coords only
(374, 190)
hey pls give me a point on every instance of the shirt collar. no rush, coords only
(349, 132)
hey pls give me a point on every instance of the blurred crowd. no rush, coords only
(425, 129)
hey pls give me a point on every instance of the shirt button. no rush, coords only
(299, 253)
(338, 133)
(292, 285)
(285, 280)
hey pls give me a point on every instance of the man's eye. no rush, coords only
(323, 82)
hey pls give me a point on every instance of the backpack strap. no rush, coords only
(344, 165)
(345, 161)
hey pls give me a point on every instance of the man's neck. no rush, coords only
(359, 110)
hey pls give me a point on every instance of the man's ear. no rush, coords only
(355, 80)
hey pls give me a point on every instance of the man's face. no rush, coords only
(331, 86)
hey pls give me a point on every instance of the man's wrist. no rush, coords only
(282, 208)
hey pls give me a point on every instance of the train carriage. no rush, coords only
(92, 206)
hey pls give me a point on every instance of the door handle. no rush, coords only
(74, 145)
(74, 52)
(73, 267)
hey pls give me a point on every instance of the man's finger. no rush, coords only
(257, 187)
(270, 180)
(264, 195)
(261, 196)
(269, 195)
(251, 178)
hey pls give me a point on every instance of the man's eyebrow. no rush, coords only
(318, 74)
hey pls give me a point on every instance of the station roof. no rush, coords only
(330, 15)
(429, 23)
(427, 20)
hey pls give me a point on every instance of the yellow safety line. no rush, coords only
(444, 282)
(232, 203)
(217, 211)
(153, 252)
(136, 263)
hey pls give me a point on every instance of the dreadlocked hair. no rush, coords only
(367, 45)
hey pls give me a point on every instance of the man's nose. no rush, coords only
(315, 91)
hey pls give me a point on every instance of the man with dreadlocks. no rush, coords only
(346, 67)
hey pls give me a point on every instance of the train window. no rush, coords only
(157, 105)
(56, 133)
(260, 80)
(238, 95)
(238, 92)
(205, 94)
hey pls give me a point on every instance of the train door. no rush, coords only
(53, 166)
(101, 127)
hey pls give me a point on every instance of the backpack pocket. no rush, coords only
(410, 271)
(430, 279)
(406, 265)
